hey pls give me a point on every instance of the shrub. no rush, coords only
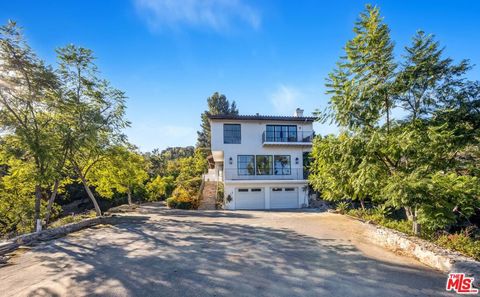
(171, 202)
(185, 194)
(342, 207)
(160, 187)
(460, 243)
(220, 196)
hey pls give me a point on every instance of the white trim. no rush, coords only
(269, 181)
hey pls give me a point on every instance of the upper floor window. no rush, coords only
(281, 133)
(232, 133)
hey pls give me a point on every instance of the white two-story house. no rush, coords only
(260, 159)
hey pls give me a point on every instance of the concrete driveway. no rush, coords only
(161, 252)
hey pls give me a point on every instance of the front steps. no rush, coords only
(208, 198)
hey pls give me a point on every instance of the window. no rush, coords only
(243, 190)
(256, 190)
(232, 133)
(264, 165)
(282, 165)
(281, 133)
(246, 165)
(276, 189)
(289, 189)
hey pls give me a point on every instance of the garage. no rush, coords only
(250, 198)
(284, 198)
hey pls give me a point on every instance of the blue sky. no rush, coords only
(269, 56)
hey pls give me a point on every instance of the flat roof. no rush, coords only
(261, 118)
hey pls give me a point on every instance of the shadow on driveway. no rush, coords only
(187, 258)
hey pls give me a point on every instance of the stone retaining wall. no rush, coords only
(48, 234)
(424, 251)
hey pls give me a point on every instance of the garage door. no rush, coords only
(284, 198)
(251, 198)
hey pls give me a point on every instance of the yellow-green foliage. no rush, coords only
(185, 194)
(160, 187)
(120, 171)
(188, 181)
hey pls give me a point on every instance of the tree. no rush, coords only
(361, 85)
(160, 187)
(217, 104)
(27, 96)
(120, 172)
(91, 113)
(425, 75)
(425, 162)
(341, 169)
(159, 160)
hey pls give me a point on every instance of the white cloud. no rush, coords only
(285, 99)
(219, 15)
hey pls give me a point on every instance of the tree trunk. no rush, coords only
(129, 195)
(89, 192)
(408, 212)
(38, 198)
(50, 201)
(362, 204)
(416, 226)
(387, 105)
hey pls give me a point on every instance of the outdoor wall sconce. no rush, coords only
(230, 161)
(296, 160)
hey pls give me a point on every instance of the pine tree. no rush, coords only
(362, 83)
(425, 75)
(217, 104)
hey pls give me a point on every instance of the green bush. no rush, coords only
(460, 243)
(172, 202)
(342, 207)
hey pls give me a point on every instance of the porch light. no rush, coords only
(230, 161)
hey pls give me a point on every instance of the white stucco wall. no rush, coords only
(251, 142)
(231, 186)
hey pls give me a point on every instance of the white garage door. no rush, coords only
(251, 198)
(284, 198)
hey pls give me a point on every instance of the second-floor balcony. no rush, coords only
(265, 174)
(287, 137)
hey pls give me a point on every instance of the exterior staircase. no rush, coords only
(209, 195)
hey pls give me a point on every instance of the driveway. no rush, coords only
(161, 252)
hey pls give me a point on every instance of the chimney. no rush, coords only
(298, 112)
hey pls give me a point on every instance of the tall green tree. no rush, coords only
(411, 161)
(361, 85)
(91, 113)
(217, 104)
(425, 75)
(27, 88)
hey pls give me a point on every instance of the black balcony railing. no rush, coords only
(287, 137)
(265, 174)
